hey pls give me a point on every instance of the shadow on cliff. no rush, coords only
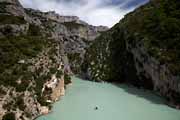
(142, 93)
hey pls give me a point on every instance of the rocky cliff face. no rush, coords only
(142, 49)
(37, 51)
(75, 34)
(12, 7)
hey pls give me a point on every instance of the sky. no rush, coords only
(94, 12)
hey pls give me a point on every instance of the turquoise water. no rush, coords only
(114, 103)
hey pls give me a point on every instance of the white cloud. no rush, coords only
(95, 12)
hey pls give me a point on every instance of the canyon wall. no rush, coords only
(142, 49)
(37, 52)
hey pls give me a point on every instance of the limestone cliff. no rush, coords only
(75, 34)
(142, 49)
(37, 51)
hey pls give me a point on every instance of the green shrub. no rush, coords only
(9, 116)
(59, 73)
(67, 79)
(9, 19)
(8, 106)
(2, 92)
(20, 103)
(42, 101)
(53, 70)
(34, 30)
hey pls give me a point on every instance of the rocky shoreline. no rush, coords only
(57, 93)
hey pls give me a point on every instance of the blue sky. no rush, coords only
(95, 12)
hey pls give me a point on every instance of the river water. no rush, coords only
(114, 102)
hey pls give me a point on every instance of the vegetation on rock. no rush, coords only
(157, 25)
(9, 19)
(34, 51)
(143, 49)
(9, 116)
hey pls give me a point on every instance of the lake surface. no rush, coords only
(114, 103)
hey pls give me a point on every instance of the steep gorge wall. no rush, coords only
(37, 52)
(142, 49)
